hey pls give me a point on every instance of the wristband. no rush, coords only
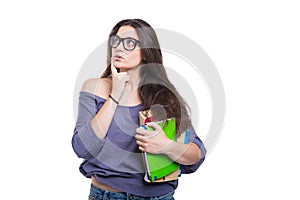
(114, 100)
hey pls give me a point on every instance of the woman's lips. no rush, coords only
(118, 58)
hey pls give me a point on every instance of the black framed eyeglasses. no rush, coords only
(129, 43)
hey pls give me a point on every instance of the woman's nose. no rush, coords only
(119, 47)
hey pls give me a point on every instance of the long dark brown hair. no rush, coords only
(155, 89)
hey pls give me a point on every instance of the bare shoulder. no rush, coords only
(98, 86)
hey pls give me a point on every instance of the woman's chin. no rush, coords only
(118, 65)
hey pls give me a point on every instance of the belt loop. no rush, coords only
(129, 197)
(105, 194)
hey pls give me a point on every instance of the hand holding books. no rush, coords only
(159, 167)
(153, 139)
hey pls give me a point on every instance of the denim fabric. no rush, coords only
(98, 194)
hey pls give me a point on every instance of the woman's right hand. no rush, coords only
(119, 80)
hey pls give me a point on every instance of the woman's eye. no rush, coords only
(116, 40)
(130, 42)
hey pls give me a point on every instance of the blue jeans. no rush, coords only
(98, 194)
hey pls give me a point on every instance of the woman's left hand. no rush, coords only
(155, 142)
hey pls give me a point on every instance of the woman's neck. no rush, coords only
(130, 95)
(134, 76)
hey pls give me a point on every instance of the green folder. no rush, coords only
(159, 165)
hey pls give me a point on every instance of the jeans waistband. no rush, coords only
(97, 194)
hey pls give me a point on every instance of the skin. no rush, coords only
(123, 87)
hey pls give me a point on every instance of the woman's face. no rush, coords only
(122, 58)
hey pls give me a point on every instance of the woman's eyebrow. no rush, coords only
(127, 37)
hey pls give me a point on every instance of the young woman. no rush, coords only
(107, 134)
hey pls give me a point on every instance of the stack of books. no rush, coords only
(159, 167)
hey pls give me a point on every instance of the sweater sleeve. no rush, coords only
(187, 169)
(85, 142)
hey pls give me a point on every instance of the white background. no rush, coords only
(254, 45)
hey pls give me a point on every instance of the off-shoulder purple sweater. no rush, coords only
(116, 160)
